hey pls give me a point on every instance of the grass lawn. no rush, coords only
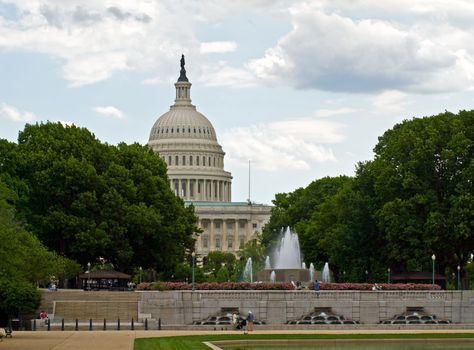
(195, 342)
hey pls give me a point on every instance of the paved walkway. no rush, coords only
(123, 340)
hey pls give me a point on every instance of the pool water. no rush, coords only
(422, 344)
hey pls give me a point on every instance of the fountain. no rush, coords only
(248, 273)
(326, 273)
(311, 272)
(267, 263)
(288, 265)
(272, 276)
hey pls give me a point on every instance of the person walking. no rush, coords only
(316, 288)
(250, 321)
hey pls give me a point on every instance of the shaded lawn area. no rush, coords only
(195, 342)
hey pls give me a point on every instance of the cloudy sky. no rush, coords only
(302, 89)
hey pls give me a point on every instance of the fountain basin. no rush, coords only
(287, 275)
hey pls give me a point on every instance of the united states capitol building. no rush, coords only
(186, 140)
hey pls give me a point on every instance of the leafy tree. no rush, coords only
(423, 192)
(86, 199)
(24, 262)
(214, 261)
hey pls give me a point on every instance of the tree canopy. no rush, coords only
(86, 199)
(414, 199)
(24, 262)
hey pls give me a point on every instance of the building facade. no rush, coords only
(186, 140)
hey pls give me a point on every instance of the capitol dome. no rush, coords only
(187, 142)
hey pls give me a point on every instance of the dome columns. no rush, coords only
(200, 189)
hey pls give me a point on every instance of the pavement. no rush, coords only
(123, 340)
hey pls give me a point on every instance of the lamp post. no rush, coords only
(433, 258)
(459, 277)
(88, 276)
(140, 268)
(344, 274)
(388, 275)
(193, 255)
(366, 276)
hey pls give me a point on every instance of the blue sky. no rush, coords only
(302, 89)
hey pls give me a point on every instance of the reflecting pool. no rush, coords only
(399, 344)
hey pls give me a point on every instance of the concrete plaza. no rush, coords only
(123, 340)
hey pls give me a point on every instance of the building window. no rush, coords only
(205, 224)
(204, 242)
(218, 243)
(184, 160)
(254, 225)
(197, 160)
(242, 224)
(191, 188)
(214, 161)
(229, 243)
(230, 225)
(209, 161)
(190, 160)
(199, 187)
(169, 160)
(203, 161)
(217, 224)
(176, 160)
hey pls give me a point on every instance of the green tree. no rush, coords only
(214, 261)
(24, 262)
(86, 199)
(423, 193)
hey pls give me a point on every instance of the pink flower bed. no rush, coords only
(383, 286)
(280, 286)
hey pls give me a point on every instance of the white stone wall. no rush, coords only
(176, 308)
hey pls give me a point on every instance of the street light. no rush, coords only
(388, 278)
(88, 276)
(193, 255)
(366, 276)
(140, 268)
(344, 274)
(433, 257)
(459, 277)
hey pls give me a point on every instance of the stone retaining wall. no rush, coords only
(276, 307)
(182, 308)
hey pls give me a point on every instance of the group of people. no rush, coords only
(240, 322)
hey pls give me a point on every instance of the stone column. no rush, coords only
(212, 236)
(224, 236)
(188, 187)
(180, 192)
(211, 193)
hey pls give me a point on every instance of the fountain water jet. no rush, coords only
(288, 265)
(272, 276)
(326, 273)
(311, 272)
(248, 273)
(288, 255)
(267, 262)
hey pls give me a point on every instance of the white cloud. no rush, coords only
(110, 111)
(324, 113)
(392, 101)
(291, 144)
(14, 114)
(329, 50)
(221, 74)
(218, 46)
